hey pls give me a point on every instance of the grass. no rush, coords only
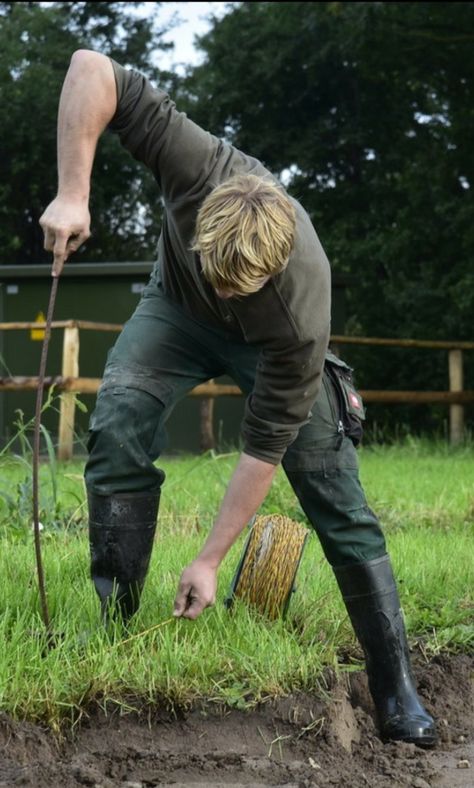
(424, 493)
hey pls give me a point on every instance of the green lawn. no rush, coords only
(424, 494)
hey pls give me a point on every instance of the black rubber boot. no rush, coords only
(371, 598)
(121, 532)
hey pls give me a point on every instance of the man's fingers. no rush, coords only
(178, 609)
(196, 590)
(65, 244)
(194, 608)
(60, 253)
(48, 240)
(60, 244)
(58, 265)
(72, 245)
(195, 605)
(189, 606)
(76, 240)
(182, 599)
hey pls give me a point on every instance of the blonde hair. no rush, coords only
(244, 233)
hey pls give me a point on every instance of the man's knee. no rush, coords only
(327, 485)
(123, 412)
(124, 440)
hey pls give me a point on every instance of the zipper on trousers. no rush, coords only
(340, 401)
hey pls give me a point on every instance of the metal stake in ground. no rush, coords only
(36, 453)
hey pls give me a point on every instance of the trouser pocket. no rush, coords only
(350, 407)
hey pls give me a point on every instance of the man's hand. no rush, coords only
(66, 226)
(247, 489)
(196, 590)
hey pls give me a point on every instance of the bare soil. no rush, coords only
(297, 742)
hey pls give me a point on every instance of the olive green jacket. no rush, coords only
(288, 319)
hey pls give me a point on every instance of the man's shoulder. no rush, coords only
(307, 248)
(305, 284)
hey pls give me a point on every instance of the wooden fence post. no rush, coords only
(70, 369)
(456, 383)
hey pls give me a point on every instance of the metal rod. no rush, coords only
(36, 454)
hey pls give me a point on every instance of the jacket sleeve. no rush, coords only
(179, 153)
(286, 385)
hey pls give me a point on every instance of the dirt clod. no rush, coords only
(419, 782)
(297, 742)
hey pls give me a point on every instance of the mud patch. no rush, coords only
(298, 742)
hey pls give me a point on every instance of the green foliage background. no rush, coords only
(36, 44)
(365, 109)
(370, 106)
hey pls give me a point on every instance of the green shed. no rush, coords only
(99, 292)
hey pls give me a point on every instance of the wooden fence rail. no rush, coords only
(70, 383)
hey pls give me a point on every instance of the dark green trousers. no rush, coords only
(160, 355)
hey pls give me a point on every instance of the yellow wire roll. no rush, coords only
(270, 563)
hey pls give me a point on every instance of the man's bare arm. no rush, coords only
(88, 103)
(246, 491)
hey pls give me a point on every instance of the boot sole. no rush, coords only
(426, 740)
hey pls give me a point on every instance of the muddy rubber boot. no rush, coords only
(371, 598)
(121, 532)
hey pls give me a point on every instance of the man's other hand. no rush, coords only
(196, 590)
(66, 226)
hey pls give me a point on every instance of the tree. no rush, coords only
(366, 110)
(36, 43)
